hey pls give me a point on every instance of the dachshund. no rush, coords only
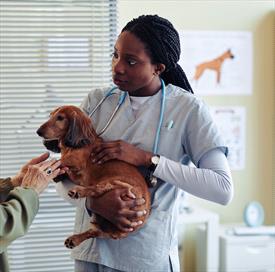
(214, 64)
(73, 130)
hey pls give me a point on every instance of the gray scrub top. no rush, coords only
(154, 247)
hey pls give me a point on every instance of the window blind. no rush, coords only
(51, 53)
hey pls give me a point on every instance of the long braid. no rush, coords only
(163, 44)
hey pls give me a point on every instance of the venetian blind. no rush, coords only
(51, 53)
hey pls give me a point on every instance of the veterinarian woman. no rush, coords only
(158, 123)
(19, 200)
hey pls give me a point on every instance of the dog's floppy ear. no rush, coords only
(76, 136)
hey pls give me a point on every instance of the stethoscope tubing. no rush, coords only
(120, 102)
(161, 114)
(101, 101)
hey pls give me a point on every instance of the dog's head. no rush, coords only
(229, 53)
(68, 126)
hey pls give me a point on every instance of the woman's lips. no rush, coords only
(118, 81)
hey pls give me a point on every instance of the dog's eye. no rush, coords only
(59, 118)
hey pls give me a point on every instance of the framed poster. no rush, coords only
(218, 62)
(231, 122)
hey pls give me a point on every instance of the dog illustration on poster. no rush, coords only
(214, 65)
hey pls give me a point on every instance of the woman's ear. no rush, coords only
(159, 69)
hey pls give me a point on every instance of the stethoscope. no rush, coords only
(121, 101)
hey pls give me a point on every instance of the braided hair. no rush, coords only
(163, 44)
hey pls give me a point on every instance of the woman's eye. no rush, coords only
(132, 62)
(114, 55)
(60, 118)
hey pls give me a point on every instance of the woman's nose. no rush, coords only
(118, 66)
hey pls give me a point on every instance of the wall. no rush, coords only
(256, 181)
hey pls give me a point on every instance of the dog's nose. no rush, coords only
(39, 132)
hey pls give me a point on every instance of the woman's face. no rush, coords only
(132, 68)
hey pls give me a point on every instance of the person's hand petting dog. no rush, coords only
(119, 206)
(37, 173)
(17, 179)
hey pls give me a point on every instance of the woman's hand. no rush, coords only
(17, 180)
(38, 175)
(120, 207)
(120, 150)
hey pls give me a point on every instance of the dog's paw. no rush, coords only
(73, 194)
(77, 192)
(69, 243)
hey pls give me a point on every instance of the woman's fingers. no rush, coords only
(54, 167)
(127, 194)
(55, 173)
(43, 165)
(106, 156)
(127, 225)
(132, 203)
(130, 214)
(39, 175)
(105, 152)
(39, 159)
(53, 164)
(124, 224)
(104, 145)
(99, 156)
(50, 169)
(130, 220)
(120, 150)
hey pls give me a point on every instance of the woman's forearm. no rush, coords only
(212, 181)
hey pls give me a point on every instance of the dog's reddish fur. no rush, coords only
(77, 138)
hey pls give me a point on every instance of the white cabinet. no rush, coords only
(246, 253)
(210, 244)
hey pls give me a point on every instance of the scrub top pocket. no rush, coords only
(153, 234)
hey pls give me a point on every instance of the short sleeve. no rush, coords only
(91, 99)
(202, 134)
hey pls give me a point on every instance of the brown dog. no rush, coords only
(214, 64)
(76, 140)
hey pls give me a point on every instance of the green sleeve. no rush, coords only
(16, 214)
